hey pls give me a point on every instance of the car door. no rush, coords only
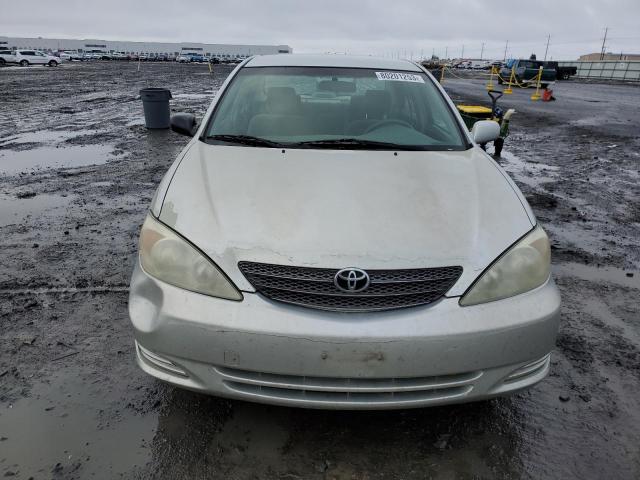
(38, 58)
(8, 56)
(25, 55)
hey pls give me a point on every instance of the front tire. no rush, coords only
(24, 63)
(53, 63)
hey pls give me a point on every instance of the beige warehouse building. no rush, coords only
(218, 50)
(596, 57)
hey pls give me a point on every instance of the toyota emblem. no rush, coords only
(351, 280)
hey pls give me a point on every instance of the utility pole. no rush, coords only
(481, 50)
(505, 51)
(546, 49)
(462, 56)
(606, 29)
(446, 52)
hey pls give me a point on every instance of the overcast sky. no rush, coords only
(397, 27)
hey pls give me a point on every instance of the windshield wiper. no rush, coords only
(246, 140)
(348, 143)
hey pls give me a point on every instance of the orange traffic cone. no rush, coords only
(547, 95)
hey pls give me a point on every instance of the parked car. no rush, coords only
(183, 59)
(480, 65)
(527, 70)
(321, 254)
(70, 55)
(214, 60)
(34, 57)
(7, 56)
(196, 58)
(562, 72)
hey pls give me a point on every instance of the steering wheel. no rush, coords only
(386, 122)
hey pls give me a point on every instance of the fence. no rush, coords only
(628, 70)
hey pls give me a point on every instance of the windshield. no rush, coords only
(321, 107)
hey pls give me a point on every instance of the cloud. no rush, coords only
(365, 27)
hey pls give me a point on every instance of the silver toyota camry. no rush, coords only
(332, 236)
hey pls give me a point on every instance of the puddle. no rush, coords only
(14, 210)
(14, 162)
(44, 136)
(101, 184)
(613, 275)
(59, 430)
(265, 438)
(530, 173)
(196, 96)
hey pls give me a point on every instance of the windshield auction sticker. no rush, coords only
(399, 77)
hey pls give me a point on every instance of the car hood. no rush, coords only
(342, 208)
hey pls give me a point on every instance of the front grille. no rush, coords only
(315, 288)
(349, 391)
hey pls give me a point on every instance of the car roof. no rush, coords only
(343, 61)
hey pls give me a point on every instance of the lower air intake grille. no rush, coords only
(315, 288)
(346, 392)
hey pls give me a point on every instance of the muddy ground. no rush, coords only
(78, 170)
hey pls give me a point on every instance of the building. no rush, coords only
(222, 51)
(595, 57)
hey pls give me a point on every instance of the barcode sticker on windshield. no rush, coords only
(399, 77)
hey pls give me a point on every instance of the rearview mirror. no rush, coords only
(484, 131)
(184, 124)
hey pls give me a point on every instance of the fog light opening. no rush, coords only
(160, 362)
(529, 369)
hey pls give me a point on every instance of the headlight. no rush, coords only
(170, 258)
(523, 267)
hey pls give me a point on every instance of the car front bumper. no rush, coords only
(270, 352)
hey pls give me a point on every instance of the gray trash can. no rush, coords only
(155, 102)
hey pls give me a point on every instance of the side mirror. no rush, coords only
(484, 131)
(184, 124)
